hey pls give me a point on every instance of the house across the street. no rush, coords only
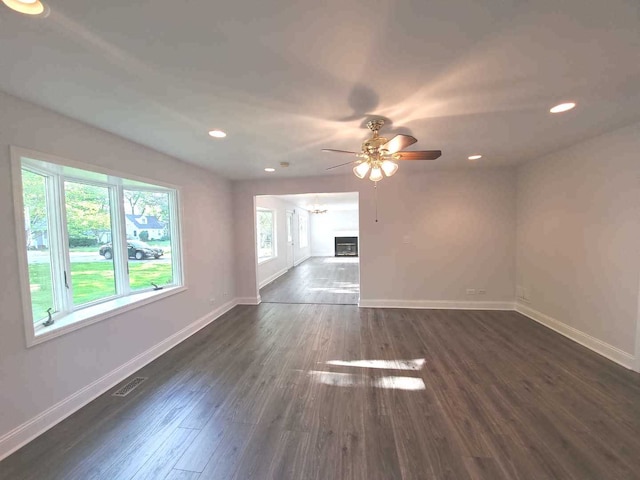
(149, 223)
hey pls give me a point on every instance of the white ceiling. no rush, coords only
(329, 201)
(285, 79)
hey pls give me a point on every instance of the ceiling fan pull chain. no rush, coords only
(375, 193)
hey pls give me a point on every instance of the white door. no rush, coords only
(290, 244)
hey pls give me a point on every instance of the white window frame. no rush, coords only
(75, 317)
(274, 240)
(303, 220)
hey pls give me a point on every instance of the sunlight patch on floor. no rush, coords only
(350, 380)
(415, 364)
(333, 290)
(341, 260)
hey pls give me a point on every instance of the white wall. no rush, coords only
(459, 228)
(579, 237)
(34, 379)
(326, 226)
(273, 268)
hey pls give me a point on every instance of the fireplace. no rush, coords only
(346, 246)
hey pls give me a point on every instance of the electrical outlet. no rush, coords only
(482, 291)
(212, 300)
(471, 291)
(226, 294)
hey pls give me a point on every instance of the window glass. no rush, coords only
(88, 212)
(38, 247)
(266, 227)
(76, 225)
(149, 245)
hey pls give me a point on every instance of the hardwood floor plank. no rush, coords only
(182, 475)
(288, 458)
(226, 459)
(163, 460)
(317, 280)
(307, 391)
(382, 461)
(197, 454)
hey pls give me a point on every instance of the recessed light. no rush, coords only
(28, 7)
(217, 134)
(475, 157)
(563, 107)
(269, 169)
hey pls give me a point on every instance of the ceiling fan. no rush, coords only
(379, 154)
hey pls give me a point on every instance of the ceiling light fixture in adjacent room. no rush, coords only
(317, 208)
(475, 157)
(269, 169)
(563, 107)
(215, 133)
(28, 7)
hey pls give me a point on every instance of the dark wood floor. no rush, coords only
(335, 392)
(326, 280)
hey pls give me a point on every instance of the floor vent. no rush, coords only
(129, 387)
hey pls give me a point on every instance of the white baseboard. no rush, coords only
(606, 350)
(299, 261)
(437, 304)
(248, 300)
(23, 434)
(271, 278)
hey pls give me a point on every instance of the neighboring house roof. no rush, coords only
(152, 222)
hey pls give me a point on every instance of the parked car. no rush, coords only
(136, 249)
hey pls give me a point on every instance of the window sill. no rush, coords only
(267, 260)
(97, 313)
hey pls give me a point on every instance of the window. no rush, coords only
(290, 227)
(150, 212)
(304, 233)
(266, 234)
(94, 242)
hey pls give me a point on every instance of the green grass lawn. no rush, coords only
(92, 281)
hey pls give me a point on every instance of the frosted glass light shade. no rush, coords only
(361, 169)
(389, 167)
(28, 7)
(376, 174)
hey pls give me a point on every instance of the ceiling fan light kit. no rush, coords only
(376, 174)
(28, 7)
(361, 169)
(389, 167)
(379, 155)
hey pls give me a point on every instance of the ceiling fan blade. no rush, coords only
(342, 164)
(330, 150)
(399, 142)
(419, 155)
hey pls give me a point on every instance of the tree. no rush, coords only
(88, 210)
(33, 192)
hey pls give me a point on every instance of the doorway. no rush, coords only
(307, 261)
